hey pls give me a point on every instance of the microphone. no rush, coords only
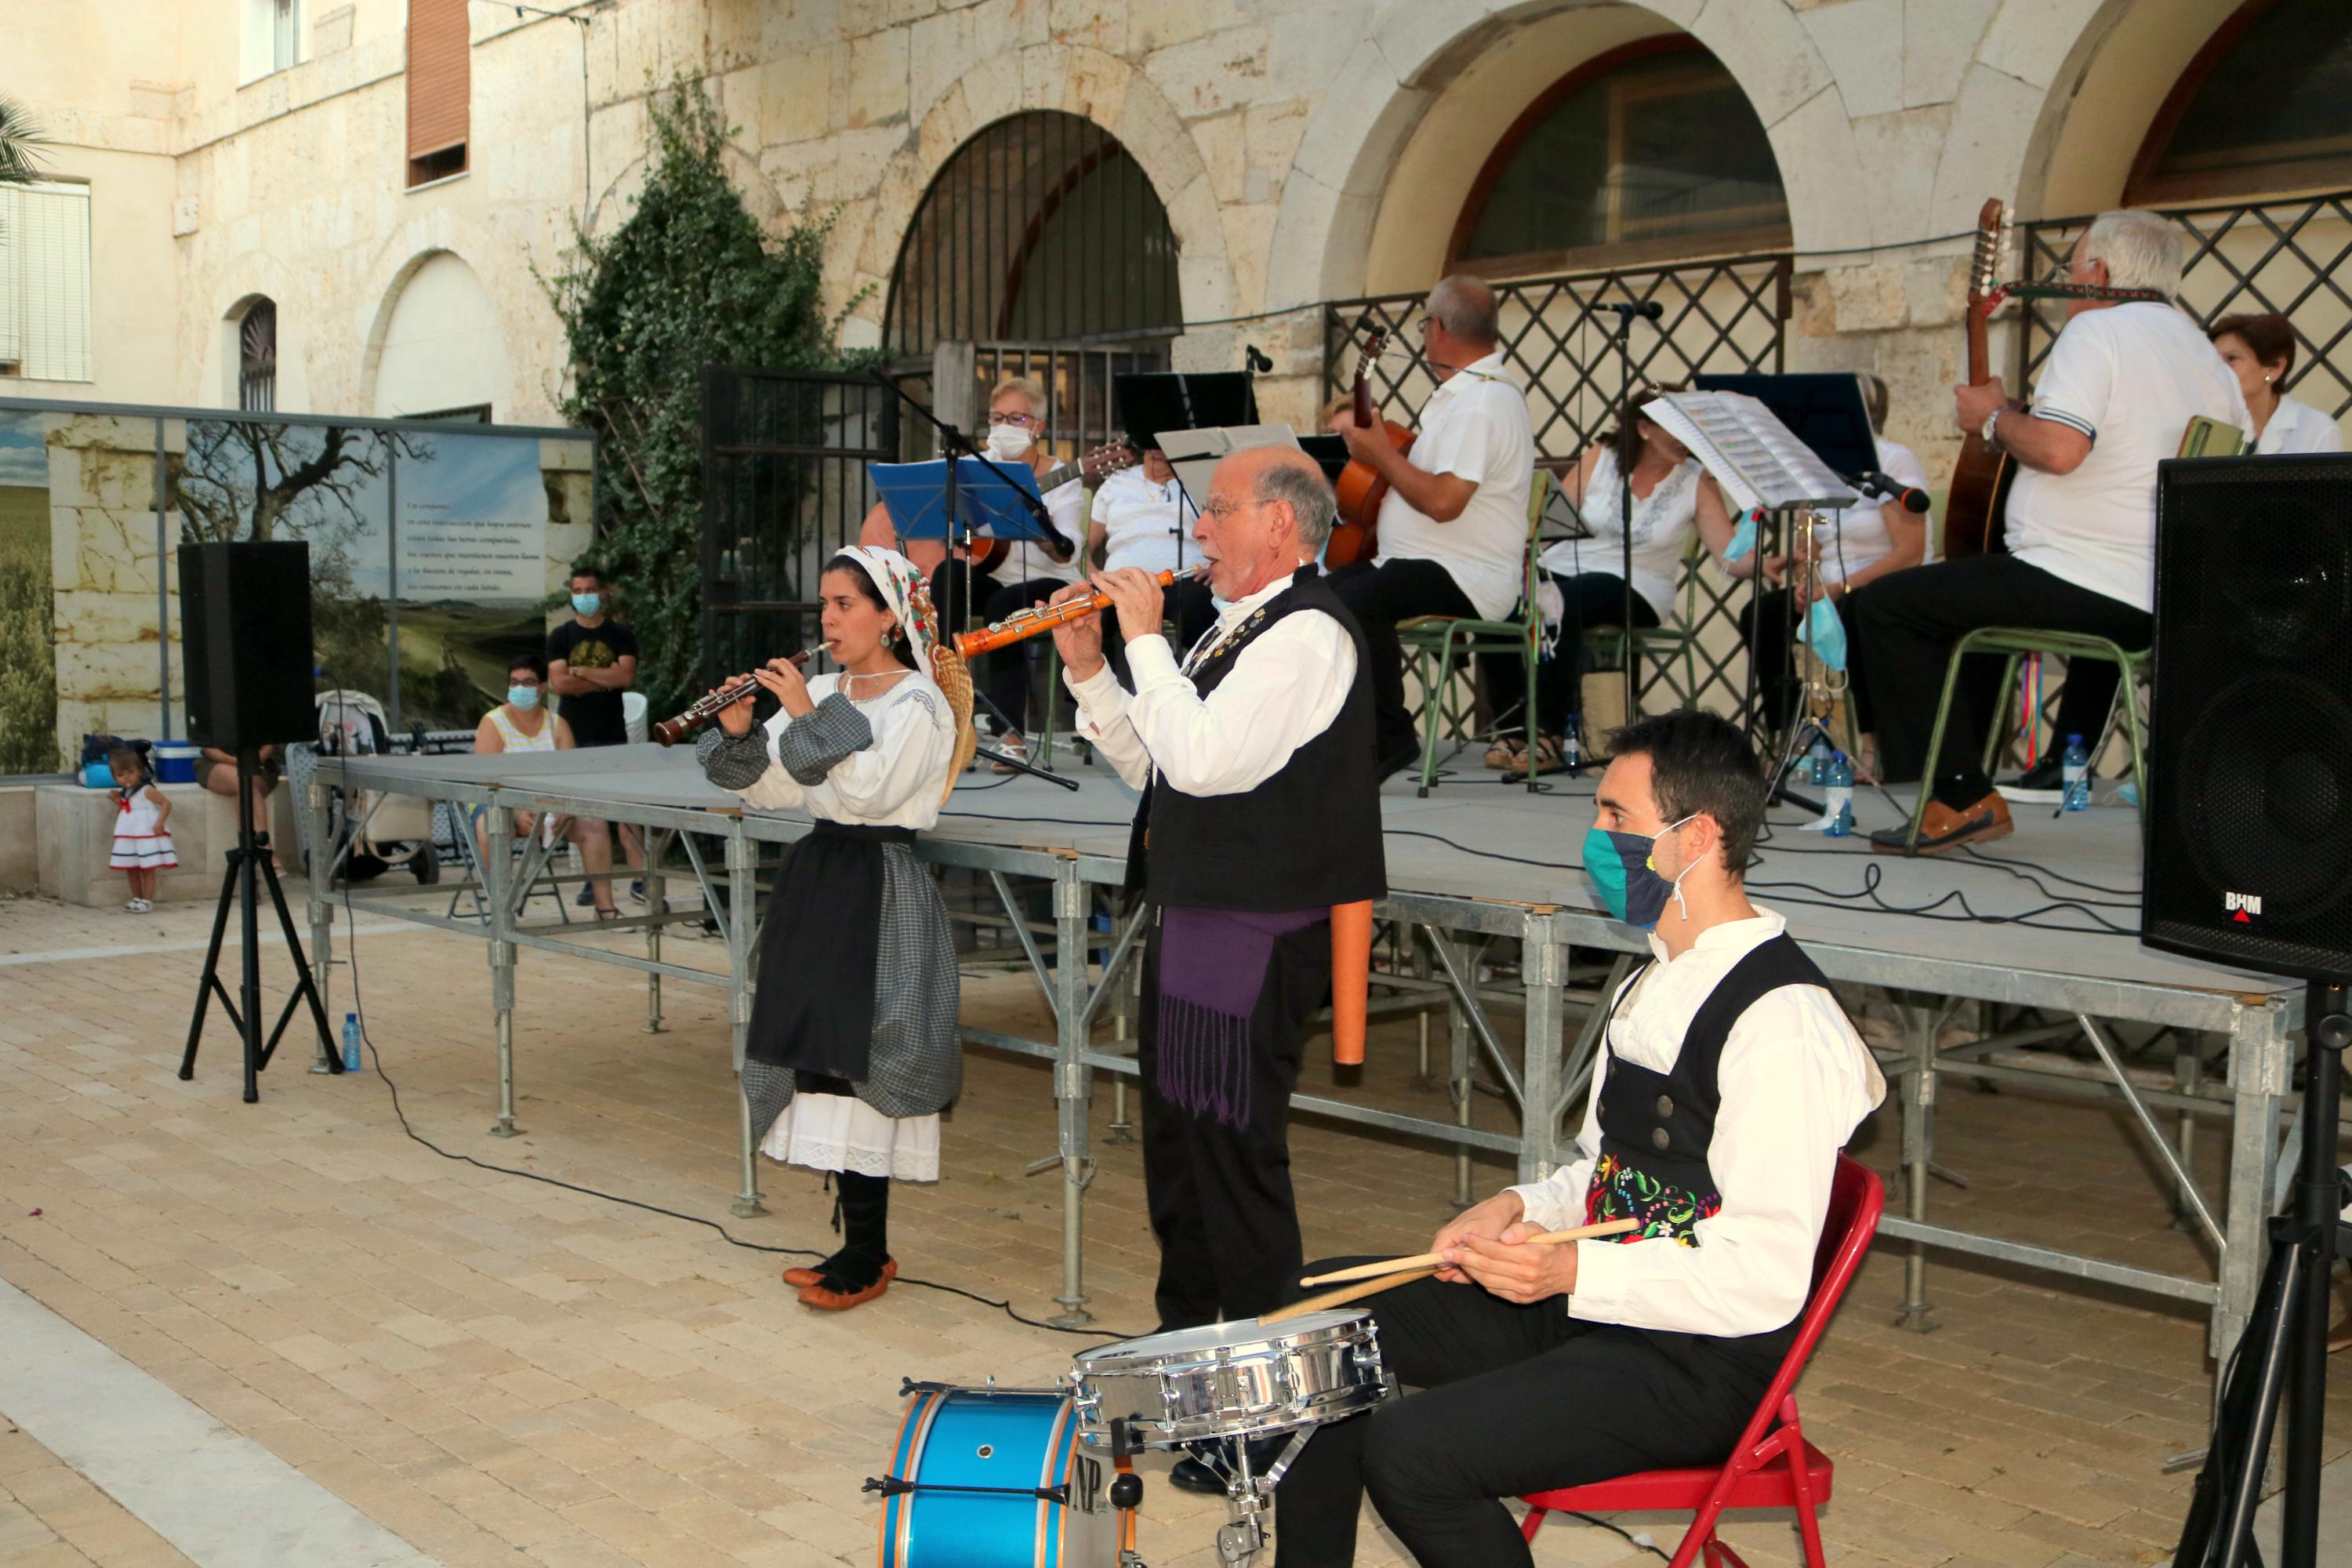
(1627, 310)
(1913, 499)
(1254, 360)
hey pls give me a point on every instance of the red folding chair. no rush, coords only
(1763, 1471)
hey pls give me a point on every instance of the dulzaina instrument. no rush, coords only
(670, 732)
(1361, 487)
(1024, 623)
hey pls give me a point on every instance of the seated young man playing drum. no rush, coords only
(1729, 1082)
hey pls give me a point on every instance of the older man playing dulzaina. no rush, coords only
(1260, 813)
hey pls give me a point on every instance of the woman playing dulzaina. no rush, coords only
(852, 1050)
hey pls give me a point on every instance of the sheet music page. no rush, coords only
(1194, 454)
(1750, 453)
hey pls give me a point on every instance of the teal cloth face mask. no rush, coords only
(1824, 632)
(587, 603)
(1622, 865)
(523, 697)
(1743, 539)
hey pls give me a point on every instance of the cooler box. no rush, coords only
(175, 761)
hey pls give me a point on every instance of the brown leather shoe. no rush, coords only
(1944, 828)
(800, 1278)
(825, 1301)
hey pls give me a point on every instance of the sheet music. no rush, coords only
(1750, 453)
(1194, 454)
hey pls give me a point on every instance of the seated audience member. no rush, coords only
(523, 724)
(2115, 397)
(1855, 547)
(2260, 349)
(1674, 499)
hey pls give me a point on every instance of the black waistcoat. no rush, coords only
(1308, 837)
(1655, 1127)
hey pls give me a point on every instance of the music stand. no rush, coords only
(1156, 404)
(1823, 410)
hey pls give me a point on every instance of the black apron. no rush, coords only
(813, 1011)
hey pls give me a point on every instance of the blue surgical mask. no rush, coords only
(1824, 632)
(587, 603)
(1743, 539)
(523, 697)
(1621, 865)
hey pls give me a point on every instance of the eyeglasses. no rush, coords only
(1024, 420)
(1222, 509)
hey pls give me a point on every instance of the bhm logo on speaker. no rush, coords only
(2242, 905)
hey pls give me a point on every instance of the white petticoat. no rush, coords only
(839, 1132)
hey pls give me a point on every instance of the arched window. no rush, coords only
(1040, 228)
(256, 357)
(1647, 152)
(2264, 108)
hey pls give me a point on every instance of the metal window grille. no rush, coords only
(783, 489)
(257, 358)
(1721, 317)
(1041, 228)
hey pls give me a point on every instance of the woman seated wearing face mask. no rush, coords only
(523, 724)
(1728, 1080)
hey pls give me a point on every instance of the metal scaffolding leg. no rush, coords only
(1460, 1058)
(499, 874)
(1918, 1145)
(317, 830)
(1073, 1085)
(1127, 1008)
(742, 894)
(656, 847)
(1543, 972)
(1421, 1014)
(2262, 1060)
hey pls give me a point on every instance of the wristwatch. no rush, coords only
(1991, 431)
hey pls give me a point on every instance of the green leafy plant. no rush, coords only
(18, 138)
(688, 281)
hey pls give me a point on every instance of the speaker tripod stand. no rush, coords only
(2285, 1351)
(249, 864)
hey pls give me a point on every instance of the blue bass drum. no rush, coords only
(989, 1478)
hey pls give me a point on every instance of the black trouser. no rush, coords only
(1379, 597)
(1006, 681)
(1906, 623)
(1189, 603)
(1511, 1400)
(1587, 599)
(1220, 1197)
(1764, 626)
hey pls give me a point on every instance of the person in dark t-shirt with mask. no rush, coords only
(591, 659)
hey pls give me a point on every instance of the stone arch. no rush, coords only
(1093, 86)
(1406, 71)
(249, 280)
(473, 363)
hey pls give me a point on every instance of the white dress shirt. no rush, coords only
(1795, 1080)
(1284, 689)
(2298, 428)
(1143, 523)
(2130, 377)
(899, 780)
(1474, 427)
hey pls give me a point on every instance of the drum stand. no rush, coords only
(1246, 1495)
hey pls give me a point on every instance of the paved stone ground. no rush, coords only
(498, 1369)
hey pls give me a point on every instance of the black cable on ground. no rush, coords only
(1595, 1518)
(350, 922)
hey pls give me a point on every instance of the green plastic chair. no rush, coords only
(1452, 642)
(2133, 671)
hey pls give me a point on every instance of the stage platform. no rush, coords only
(2044, 920)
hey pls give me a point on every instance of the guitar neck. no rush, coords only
(1053, 478)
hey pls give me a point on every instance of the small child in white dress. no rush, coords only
(142, 846)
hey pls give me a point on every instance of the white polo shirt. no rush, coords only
(2130, 377)
(1856, 537)
(1144, 523)
(1066, 505)
(1474, 426)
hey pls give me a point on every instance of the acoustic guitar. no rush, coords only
(1362, 489)
(1979, 493)
(988, 554)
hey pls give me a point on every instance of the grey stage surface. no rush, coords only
(2074, 879)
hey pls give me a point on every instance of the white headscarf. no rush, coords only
(908, 594)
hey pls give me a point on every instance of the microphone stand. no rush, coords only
(1648, 310)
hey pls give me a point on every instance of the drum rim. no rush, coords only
(1312, 1327)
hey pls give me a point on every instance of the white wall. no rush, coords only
(441, 347)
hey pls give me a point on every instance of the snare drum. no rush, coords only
(988, 1477)
(1231, 1380)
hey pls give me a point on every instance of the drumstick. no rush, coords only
(1398, 1265)
(1343, 1295)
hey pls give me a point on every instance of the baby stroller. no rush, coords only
(392, 829)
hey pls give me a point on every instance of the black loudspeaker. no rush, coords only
(245, 634)
(2249, 815)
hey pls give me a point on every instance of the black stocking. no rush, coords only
(865, 1233)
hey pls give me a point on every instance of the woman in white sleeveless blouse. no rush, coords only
(523, 724)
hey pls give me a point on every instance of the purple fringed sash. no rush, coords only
(1212, 964)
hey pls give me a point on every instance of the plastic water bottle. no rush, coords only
(1569, 756)
(1837, 802)
(2075, 768)
(1816, 770)
(351, 1042)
